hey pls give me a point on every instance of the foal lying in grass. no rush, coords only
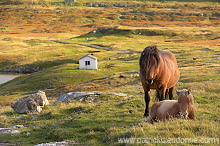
(166, 109)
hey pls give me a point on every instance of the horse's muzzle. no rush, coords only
(150, 81)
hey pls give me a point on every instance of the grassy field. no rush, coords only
(190, 29)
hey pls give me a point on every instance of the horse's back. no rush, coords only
(172, 67)
(169, 55)
(165, 107)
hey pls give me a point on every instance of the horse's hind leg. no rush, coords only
(166, 94)
(161, 93)
(158, 95)
(171, 93)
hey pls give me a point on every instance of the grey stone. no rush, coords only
(31, 104)
(23, 115)
(12, 129)
(90, 98)
(146, 120)
(96, 101)
(61, 143)
(17, 126)
(75, 95)
(179, 83)
(121, 95)
(81, 96)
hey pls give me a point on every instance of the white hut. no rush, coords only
(88, 62)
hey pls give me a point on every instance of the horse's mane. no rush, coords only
(147, 54)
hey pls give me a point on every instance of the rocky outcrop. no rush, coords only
(31, 104)
(146, 32)
(12, 129)
(86, 95)
(21, 70)
(61, 143)
(75, 95)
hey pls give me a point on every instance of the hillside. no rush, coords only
(32, 36)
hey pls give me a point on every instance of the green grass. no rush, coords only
(104, 123)
(75, 121)
(114, 118)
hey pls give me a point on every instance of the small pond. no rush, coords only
(7, 77)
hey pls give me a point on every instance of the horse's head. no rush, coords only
(149, 63)
(185, 100)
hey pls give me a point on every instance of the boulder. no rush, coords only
(31, 104)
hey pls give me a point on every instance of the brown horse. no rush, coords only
(166, 109)
(159, 71)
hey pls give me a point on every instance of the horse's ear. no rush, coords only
(177, 92)
(189, 91)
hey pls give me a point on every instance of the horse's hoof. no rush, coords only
(146, 115)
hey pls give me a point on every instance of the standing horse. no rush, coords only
(166, 109)
(159, 71)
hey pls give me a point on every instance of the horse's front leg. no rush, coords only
(171, 93)
(147, 100)
(191, 114)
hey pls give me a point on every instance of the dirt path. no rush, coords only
(99, 47)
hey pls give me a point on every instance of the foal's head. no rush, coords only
(185, 100)
(149, 62)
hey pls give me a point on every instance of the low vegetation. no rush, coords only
(189, 29)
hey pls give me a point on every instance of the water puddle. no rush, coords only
(7, 77)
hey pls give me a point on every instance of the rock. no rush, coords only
(31, 104)
(61, 143)
(7, 144)
(17, 126)
(121, 76)
(96, 101)
(194, 58)
(27, 133)
(90, 98)
(81, 96)
(75, 95)
(12, 129)
(82, 99)
(21, 70)
(146, 120)
(179, 83)
(134, 72)
(23, 115)
(121, 95)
